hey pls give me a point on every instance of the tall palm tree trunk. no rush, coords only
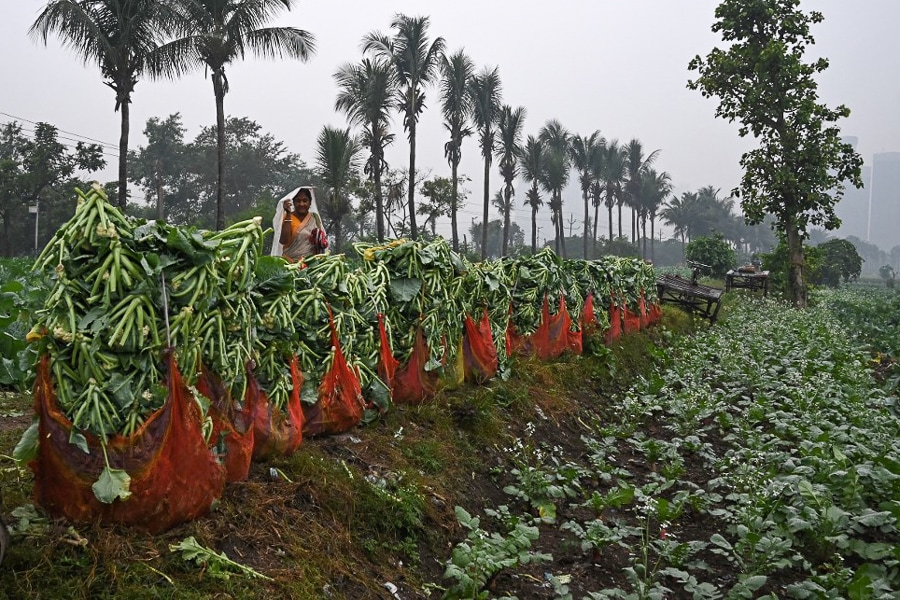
(534, 230)
(487, 195)
(652, 239)
(584, 232)
(609, 206)
(620, 218)
(219, 90)
(454, 198)
(506, 215)
(413, 230)
(379, 205)
(123, 153)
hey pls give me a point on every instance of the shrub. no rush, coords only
(712, 251)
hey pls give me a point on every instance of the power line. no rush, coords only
(31, 134)
(77, 135)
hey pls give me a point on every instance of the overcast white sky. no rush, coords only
(617, 66)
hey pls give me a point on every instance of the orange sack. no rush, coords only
(174, 476)
(232, 425)
(479, 352)
(274, 431)
(412, 384)
(340, 403)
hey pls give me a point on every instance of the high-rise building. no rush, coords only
(884, 216)
(853, 209)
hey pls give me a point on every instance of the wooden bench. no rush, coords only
(691, 296)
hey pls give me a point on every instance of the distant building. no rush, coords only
(853, 209)
(884, 215)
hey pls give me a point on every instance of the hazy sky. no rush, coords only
(619, 67)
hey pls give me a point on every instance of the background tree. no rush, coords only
(556, 174)
(215, 33)
(456, 106)
(119, 36)
(586, 152)
(366, 93)
(337, 159)
(159, 165)
(39, 171)
(485, 91)
(509, 128)
(761, 80)
(531, 164)
(613, 174)
(416, 63)
(636, 163)
(714, 252)
(655, 188)
(439, 192)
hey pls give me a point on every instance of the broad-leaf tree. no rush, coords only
(531, 166)
(417, 64)
(38, 170)
(212, 34)
(157, 166)
(366, 93)
(486, 91)
(337, 159)
(761, 80)
(456, 106)
(509, 128)
(119, 36)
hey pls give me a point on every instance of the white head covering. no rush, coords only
(277, 248)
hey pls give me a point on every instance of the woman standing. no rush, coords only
(298, 226)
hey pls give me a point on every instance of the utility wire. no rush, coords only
(77, 135)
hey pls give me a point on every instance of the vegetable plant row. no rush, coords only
(147, 323)
(759, 461)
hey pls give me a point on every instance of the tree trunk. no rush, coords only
(796, 284)
(454, 199)
(160, 199)
(411, 192)
(487, 200)
(219, 90)
(123, 153)
(508, 209)
(584, 232)
(596, 220)
(534, 230)
(619, 205)
(562, 226)
(379, 203)
(652, 239)
(609, 207)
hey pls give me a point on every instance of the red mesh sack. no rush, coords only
(536, 343)
(174, 476)
(387, 364)
(340, 403)
(232, 426)
(588, 318)
(615, 323)
(559, 335)
(479, 352)
(412, 384)
(643, 311)
(655, 312)
(274, 431)
(632, 321)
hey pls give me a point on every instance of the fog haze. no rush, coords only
(617, 67)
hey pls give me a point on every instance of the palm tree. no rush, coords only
(509, 127)
(636, 164)
(337, 158)
(456, 106)
(531, 164)
(555, 178)
(485, 91)
(120, 36)
(215, 33)
(557, 139)
(678, 213)
(585, 153)
(366, 93)
(416, 64)
(655, 188)
(613, 175)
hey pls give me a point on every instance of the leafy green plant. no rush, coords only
(215, 564)
(712, 251)
(478, 559)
